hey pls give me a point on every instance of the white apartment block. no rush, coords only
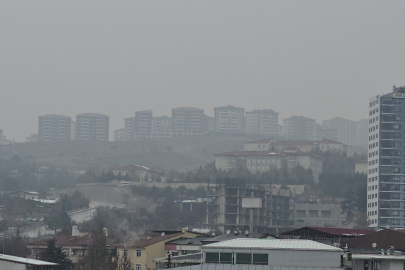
(129, 129)
(261, 122)
(229, 119)
(119, 135)
(188, 121)
(161, 127)
(299, 128)
(143, 124)
(92, 127)
(52, 127)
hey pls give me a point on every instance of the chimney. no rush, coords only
(75, 231)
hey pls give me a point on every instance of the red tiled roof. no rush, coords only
(147, 242)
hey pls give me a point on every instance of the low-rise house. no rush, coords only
(273, 254)
(184, 246)
(75, 246)
(143, 252)
(19, 263)
(137, 172)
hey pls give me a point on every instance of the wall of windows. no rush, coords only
(237, 258)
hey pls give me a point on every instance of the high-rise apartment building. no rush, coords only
(299, 128)
(261, 122)
(92, 127)
(52, 127)
(346, 129)
(187, 121)
(129, 129)
(161, 127)
(229, 119)
(118, 135)
(386, 160)
(143, 124)
(362, 133)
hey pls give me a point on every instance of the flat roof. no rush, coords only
(378, 257)
(288, 244)
(24, 260)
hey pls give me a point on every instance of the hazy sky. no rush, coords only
(314, 58)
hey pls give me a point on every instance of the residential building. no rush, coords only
(274, 254)
(384, 239)
(19, 263)
(143, 252)
(319, 215)
(346, 129)
(119, 135)
(75, 246)
(323, 132)
(299, 128)
(143, 124)
(209, 123)
(188, 121)
(161, 127)
(229, 119)
(362, 133)
(137, 172)
(261, 122)
(92, 127)
(183, 246)
(239, 204)
(129, 133)
(52, 127)
(261, 161)
(386, 161)
(303, 146)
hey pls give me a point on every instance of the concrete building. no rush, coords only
(386, 172)
(323, 132)
(92, 127)
(261, 122)
(229, 119)
(319, 215)
(119, 135)
(361, 166)
(73, 130)
(261, 161)
(362, 133)
(239, 204)
(143, 124)
(129, 133)
(187, 121)
(161, 127)
(299, 128)
(52, 127)
(269, 254)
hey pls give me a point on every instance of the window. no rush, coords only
(137, 267)
(313, 213)
(138, 253)
(226, 258)
(260, 259)
(125, 253)
(243, 258)
(212, 257)
(301, 213)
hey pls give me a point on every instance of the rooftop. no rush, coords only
(24, 260)
(147, 242)
(327, 231)
(328, 141)
(287, 244)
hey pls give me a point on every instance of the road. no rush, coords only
(77, 217)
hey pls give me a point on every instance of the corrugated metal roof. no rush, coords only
(273, 244)
(24, 260)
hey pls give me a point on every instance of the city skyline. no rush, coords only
(311, 58)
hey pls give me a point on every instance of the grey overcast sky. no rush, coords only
(319, 59)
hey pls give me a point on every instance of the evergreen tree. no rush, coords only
(54, 254)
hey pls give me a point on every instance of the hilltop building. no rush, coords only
(188, 121)
(229, 119)
(119, 135)
(161, 127)
(143, 124)
(92, 127)
(261, 122)
(53, 127)
(299, 128)
(129, 134)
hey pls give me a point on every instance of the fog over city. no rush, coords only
(319, 59)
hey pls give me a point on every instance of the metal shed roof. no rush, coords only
(291, 244)
(24, 260)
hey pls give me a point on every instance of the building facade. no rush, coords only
(386, 162)
(119, 135)
(261, 122)
(92, 127)
(187, 121)
(143, 124)
(229, 119)
(161, 127)
(299, 128)
(52, 127)
(319, 215)
(129, 134)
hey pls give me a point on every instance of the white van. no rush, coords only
(123, 184)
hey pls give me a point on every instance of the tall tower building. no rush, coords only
(92, 127)
(187, 121)
(261, 122)
(299, 128)
(143, 124)
(52, 127)
(386, 160)
(229, 119)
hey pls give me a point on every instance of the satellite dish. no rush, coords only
(374, 245)
(228, 232)
(163, 234)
